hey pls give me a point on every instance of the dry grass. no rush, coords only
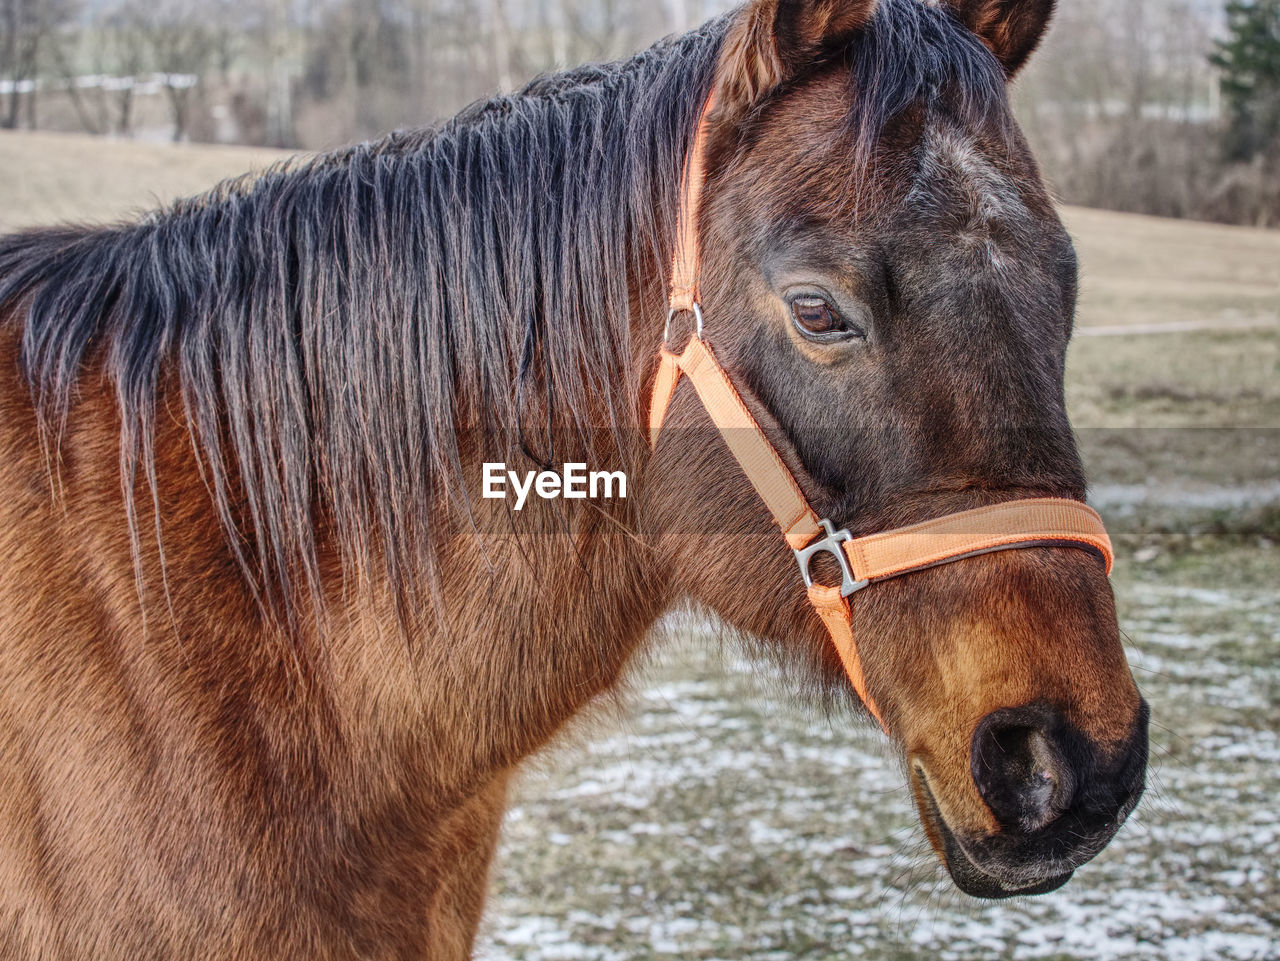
(1204, 378)
(51, 178)
(1152, 270)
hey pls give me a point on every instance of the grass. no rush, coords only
(1194, 379)
(1181, 432)
(707, 813)
(721, 818)
(1149, 270)
(51, 178)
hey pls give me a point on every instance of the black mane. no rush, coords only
(334, 323)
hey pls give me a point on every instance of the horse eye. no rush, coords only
(813, 315)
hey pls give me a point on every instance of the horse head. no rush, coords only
(886, 279)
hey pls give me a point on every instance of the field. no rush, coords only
(51, 177)
(707, 813)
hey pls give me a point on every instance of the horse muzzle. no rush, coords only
(1057, 797)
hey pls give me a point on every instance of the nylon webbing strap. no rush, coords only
(750, 447)
(687, 259)
(838, 620)
(1028, 522)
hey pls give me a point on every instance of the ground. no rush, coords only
(719, 817)
(51, 177)
(709, 812)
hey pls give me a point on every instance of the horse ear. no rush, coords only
(773, 41)
(1010, 28)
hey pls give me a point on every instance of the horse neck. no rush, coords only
(538, 613)
(528, 615)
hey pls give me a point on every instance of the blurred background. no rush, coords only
(1168, 107)
(708, 811)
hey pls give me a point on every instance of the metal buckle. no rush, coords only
(697, 316)
(831, 544)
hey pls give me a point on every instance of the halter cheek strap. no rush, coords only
(1026, 522)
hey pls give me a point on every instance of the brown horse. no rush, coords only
(268, 656)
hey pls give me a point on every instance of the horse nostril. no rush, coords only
(1020, 768)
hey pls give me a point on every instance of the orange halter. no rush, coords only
(1027, 522)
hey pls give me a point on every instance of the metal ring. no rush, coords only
(697, 317)
(830, 543)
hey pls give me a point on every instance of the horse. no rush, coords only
(269, 655)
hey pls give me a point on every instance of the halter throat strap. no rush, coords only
(1021, 523)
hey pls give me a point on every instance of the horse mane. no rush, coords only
(333, 325)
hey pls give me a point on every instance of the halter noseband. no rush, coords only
(1025, 522)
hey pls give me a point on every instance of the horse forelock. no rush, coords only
(912, 52)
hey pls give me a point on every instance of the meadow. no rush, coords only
(707, 812)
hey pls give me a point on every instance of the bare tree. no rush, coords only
(1120, 104)
(278, 75)
(92, 116)
(498, 30)
(182, 42)
(27, 31)
(119, 56)
(559, 26)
